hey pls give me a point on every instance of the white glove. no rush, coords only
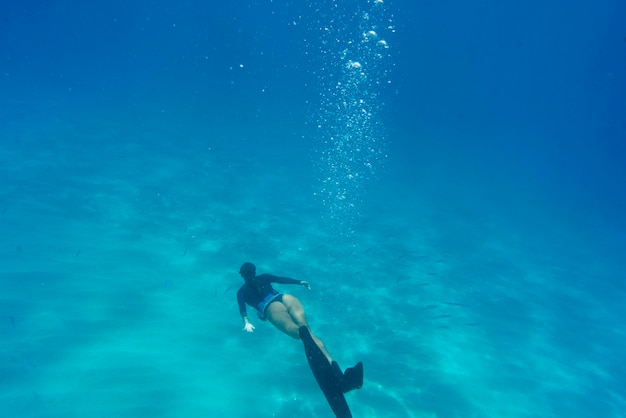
(248, 327)
(305, 284)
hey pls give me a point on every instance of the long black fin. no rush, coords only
(328, 379)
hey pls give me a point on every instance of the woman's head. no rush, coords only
(247, 271)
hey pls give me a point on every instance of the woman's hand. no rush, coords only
(305, 284)
(248, 327)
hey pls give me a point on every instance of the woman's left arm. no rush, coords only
(288, 280)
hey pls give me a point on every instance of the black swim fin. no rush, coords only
(352, 378)
(329, 376)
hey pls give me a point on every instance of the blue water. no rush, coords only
(448, 176)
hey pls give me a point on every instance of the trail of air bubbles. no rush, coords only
(350, 57)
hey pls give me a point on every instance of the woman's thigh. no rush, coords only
(295, 310)
(278, 314)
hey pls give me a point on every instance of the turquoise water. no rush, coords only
(448, 177)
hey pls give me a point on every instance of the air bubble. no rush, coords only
(351, 134)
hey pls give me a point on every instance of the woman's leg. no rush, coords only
(278, 315)
(296, 312)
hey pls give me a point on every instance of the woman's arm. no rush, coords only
(243, 311)
(287, 280)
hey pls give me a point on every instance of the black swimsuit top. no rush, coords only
(253, 292)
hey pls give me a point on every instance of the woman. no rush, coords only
(287, 314)
(284, 311)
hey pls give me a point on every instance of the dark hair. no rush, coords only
(247, 270)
